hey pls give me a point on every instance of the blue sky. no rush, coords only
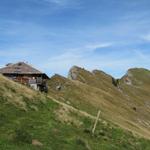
(54, 35)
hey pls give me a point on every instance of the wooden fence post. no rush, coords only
(96, 121)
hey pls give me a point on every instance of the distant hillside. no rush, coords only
(125, 101)
(30, 120)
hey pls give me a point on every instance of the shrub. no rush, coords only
(88, 131)
(22, 135)
(2, 119)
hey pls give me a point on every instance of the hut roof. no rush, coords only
(20, 68)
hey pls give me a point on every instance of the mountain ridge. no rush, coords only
(114, 97)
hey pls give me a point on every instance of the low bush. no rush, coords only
(21, 135)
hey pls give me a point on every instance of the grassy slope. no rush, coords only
(93, 91)
(27, 115)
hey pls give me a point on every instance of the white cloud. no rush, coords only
(90, 47)
(98, 45)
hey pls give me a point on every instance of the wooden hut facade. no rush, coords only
(25, 74)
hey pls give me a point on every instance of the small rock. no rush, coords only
(36, 142)
(128, 81)
(68, 102)
(58, 88)
(105, 123)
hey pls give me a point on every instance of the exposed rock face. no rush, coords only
(127, 78)
(128, 81)
(73, 73)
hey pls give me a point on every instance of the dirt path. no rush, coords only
(83, 113)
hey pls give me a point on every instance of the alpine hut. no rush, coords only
(25, 74)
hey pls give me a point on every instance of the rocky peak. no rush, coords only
(73, 72)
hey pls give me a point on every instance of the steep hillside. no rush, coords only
(121, 101)
(30, 120)
(18, 95)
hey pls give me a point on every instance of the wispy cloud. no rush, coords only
(90, 47)
(140, 54)
(98, 45)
